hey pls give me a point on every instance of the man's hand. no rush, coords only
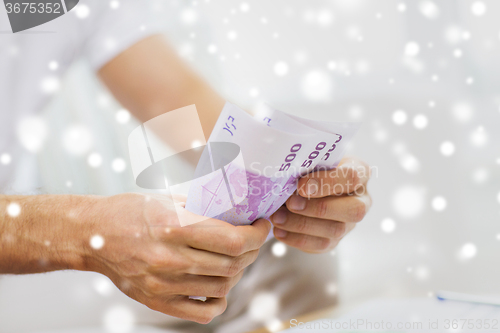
(328, 205)
(145, 251)
(160, 264)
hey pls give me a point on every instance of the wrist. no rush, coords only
(51, 232)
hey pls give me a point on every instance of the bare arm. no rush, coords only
(144, 250)
(150, 79)
(42, 233)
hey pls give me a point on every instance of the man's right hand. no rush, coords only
(146, 253)
(155, 261)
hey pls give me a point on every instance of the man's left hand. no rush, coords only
(327, 206)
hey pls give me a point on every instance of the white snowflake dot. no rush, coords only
(279, 249)
(439, 204)
(254, 92)
(478, 8)
(94, 160)
(13, 209)
(119, 319)
(118, 165)
(468, 251)
(399, 117)
(420, 121)
(480, 175)
(32, 132)
(212, 49)
(189, 16)
(447, 148)
(232, 35)
(479, 137)
(77, 139)
(50, 85)
(5, 159)
(244, 7)
(97, 242)
(263, 306)
(274, 325)
(332, 288)
(122, 116)
(281, 68)
(316, 85)
(462, 112)
(412, 49)
(114, 4)
(82, 11)
(196, 143)
(53, 65)
(409, 201)
(429, 9)
(103, 285)
(388, 225)
(422, 273)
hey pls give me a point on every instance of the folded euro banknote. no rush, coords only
(251, 164)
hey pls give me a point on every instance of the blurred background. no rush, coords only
(422, 76)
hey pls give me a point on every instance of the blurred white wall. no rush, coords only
(355, 60)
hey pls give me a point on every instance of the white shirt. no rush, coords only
(33, 61)
(31, 65)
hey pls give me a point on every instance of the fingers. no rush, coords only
(189, 309)
(214, 264)
(310, 244)
(350, 176)
(206, 286)
(202, 312)
(288, 221)
(342, 209)
(224, 238)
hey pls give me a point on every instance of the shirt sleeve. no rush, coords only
(117, 25)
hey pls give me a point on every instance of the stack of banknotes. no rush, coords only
(251, 165)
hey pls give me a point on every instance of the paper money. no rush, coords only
(275, 150)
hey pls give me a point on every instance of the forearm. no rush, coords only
(150, 79)
(49, 233)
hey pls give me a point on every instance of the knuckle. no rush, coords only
(301, 224)
(223, 288)
(205, 318)
(339, 230)
(234, 267)
(156, 261)
(153, 285)
(358, 211)
(236, 245)
(321, 208)
(302, 242)
(211, 312)
(324, 244)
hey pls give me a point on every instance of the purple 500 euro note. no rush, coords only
(275, 150)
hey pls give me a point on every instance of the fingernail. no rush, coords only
(297, 202)
(312, 187)
(279, 217)
(280, 233)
